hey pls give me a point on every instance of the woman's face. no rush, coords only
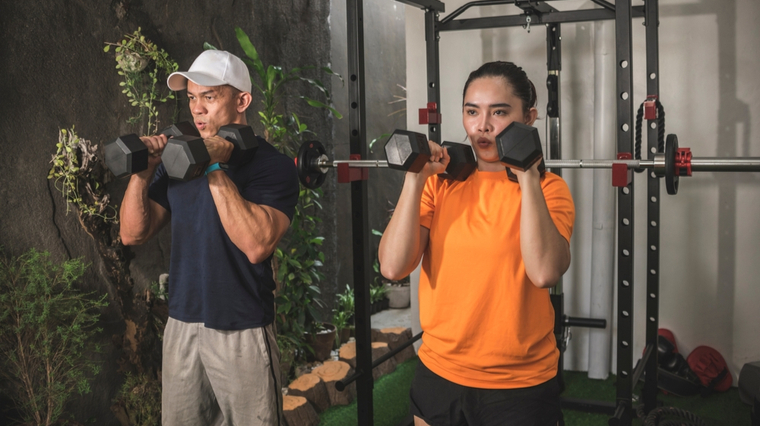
(489, 107)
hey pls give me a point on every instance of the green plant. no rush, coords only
(343, 313)
(269, 81)
(73, 164)
(288, 347)
(159, 291)
(46, 331)
(341, 320)
(139, 401)
(158, 302)
(345, 301)
(377, 292)
(298, 258)
(134, 54)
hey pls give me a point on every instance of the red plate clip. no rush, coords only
(683, 161)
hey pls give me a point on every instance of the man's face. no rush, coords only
(212, 107)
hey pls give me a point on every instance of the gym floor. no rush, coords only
(391, 401)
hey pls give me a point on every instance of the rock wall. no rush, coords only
(55, 75)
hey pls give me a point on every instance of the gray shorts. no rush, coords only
(215, 377)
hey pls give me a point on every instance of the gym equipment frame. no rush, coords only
(680, 163)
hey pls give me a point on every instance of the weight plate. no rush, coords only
(309, 173)
(671, 180)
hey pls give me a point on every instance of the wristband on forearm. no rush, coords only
(215, 166)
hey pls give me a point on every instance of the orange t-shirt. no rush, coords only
(486, 325)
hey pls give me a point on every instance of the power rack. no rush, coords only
(534, 13)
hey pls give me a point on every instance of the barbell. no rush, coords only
(519, 147)
(405, 150)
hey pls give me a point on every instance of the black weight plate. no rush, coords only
(671, 180)
(309, 173)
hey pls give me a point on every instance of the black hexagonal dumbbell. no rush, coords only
(186, 158)
(409, 151)
(462, 162)
(519, 147)
(127, 154)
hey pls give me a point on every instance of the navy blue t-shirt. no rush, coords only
(210, 279)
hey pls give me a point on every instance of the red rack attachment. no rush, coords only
(349, 174)
(622, 175)
(650, 107)
(430, 115)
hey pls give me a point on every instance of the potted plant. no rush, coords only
(343, 316)
(321, 341)
(398, 293)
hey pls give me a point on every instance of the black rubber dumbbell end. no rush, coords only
(185, 157)
(407, 151)
(519, 146)
(241, 135)
(462, 162)
(179, 129)
(126, 155)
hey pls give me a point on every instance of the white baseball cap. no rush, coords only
(213, 68)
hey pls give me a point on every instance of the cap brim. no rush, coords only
(178, 80)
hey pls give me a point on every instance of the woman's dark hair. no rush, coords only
(521, 85)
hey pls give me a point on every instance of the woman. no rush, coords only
(490, 249)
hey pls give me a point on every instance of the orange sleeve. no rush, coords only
(427, 204)
(559, 201)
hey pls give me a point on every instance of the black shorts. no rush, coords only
(438, 401)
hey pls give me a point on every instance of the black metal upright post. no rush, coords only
(653, 210)
(624, 67)
(359, 209)
(553, 68)
(554, 151)
(432, 39)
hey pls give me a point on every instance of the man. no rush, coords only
(220, 357)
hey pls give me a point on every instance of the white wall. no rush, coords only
(709, 57)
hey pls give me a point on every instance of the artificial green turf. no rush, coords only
(721, 408)
(390, 398)
(391, 401)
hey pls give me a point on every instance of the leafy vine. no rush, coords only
(133, 56)
(73, 164)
